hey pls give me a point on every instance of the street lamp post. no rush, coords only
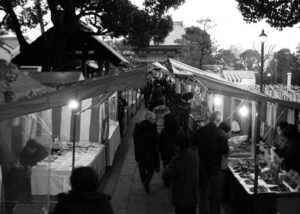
(269, 78)
(262, 37)
(73, 105)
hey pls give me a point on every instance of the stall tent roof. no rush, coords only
(48, 50)
(136, 78)
(56, 78)
(160, 66)
(221, 86)
(180, 68)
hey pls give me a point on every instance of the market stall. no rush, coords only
(274, 196)
(253, 117)
(62, 137)
(51, 175)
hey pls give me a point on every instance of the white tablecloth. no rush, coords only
(114, 141)
(53, 178)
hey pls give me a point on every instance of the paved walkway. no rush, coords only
(122, 182)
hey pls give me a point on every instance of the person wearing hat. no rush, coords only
(146, 148)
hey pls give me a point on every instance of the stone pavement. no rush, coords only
(123, 183)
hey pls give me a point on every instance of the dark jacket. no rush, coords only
(145, 143)
(167, 141)
(83, 203)
(183, 174)
(212, 144)
(31, 159)
(155, 100)
(291, 157)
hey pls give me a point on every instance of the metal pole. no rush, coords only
(256, 143)
(262, 67)
(74, 136)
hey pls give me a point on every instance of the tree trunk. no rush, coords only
(15, 25)
(55, 14)
(200, 62)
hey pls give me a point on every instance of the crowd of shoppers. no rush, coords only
(191, 163)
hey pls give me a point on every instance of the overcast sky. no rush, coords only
(230, 27)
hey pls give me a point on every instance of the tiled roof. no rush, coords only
(240, 73)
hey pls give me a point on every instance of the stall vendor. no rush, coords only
(289, 149)
(32, 153)
(279, 128)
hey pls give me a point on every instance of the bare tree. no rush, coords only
(268, 51)
(206, 23)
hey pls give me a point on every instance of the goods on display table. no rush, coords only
(277, 191)
(51, 175)
(243, 170)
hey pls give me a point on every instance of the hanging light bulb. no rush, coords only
(244, 111)
(217, 100)
(73, 104)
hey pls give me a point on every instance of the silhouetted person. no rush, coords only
(212, 144)
(83, 198)
(147, 93)
(167, 140)
(182, 172)
(146, 148)
(289, 148)
(122, 103)
(32, 153)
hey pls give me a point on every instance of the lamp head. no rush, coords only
(263, 36)
(73, 104)
(217, 100)
(244, 111)
(268, 74)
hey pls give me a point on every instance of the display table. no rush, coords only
(51, 176)
(273, 197)
(114, 140)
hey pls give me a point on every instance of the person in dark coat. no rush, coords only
(147, 92)
(156, 99)
(167, 139)
(146, 148)
(211, 144)
(32, 153)
(84, 197)
(122, 103)
(183, 174)
(289, 148)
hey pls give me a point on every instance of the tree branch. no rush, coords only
(15, 25)
(55, 14)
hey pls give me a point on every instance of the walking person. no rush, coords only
(167, 139)
(146, 148)
(83, 198)
(182, 172)
(122, 103)
(211, 144)
(160, 111)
